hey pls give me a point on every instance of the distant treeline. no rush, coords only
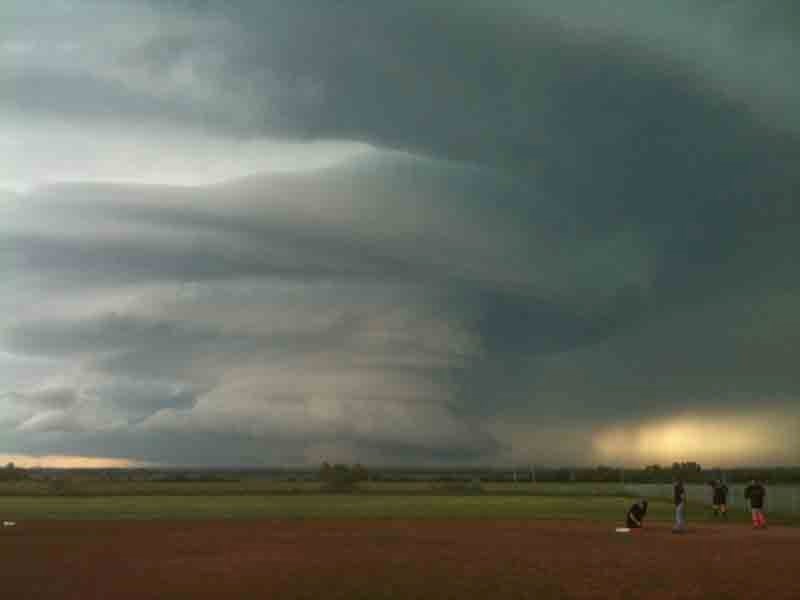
(337, 475)
(12, 473)
(689, 472)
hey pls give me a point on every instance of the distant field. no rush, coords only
(337, 506)
(155, 488)
(260, 487)
(263, 499)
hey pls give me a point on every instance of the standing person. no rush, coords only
(756, 493)
(719, 502)
(636, 514)
(680, 506)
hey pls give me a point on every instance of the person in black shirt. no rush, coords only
(756, 493)
(636, 514)
(719, 502)
(680, 507)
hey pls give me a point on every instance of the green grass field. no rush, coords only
(94, 487)
(262, 499)
(336, 506)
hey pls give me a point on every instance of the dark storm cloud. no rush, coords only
(435, 228)
(596, 218)
(48, 398)
(617, 135)
(463, 78)
(167, 348)
(80, 95)
(388, 219)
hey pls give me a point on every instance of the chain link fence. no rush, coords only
(782, 499)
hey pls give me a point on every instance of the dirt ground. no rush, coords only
(393, 559)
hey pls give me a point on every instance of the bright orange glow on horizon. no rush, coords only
(709, 440)
(58, 461)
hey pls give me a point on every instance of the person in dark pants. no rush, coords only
(636, 514)
(719, 502)
(756, 493)
(680, 507)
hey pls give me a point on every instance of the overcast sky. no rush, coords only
(260, 232)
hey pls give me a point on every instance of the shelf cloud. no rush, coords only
(263, 232)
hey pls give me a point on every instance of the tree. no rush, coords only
(12, 473)
(688, 471)
(342, 477)
(360, 473)
(325, 472)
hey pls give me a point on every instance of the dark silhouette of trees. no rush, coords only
(13, 473)
(340, 477)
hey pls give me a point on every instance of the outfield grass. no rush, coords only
(335, 506)
(95, 487)
(264, 499)
(342, 506)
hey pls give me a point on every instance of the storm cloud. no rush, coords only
(429, 232)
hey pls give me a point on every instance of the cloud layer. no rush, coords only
(432, 232)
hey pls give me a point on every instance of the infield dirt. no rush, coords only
(393, 559)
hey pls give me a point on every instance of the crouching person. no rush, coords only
(636, 514)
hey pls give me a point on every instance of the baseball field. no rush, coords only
(385, 542)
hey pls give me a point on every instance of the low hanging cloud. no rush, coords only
(447, 232)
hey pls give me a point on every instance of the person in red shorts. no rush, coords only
(756, 493)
